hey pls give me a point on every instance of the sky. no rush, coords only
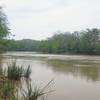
(40, 19)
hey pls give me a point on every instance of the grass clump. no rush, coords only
(14, 72)
(32, 94)
(10, 91)
(27, 72)
(7, 91)
(36, 92)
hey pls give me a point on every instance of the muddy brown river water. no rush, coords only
(75, 77)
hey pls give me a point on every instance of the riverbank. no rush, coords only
(50, 56)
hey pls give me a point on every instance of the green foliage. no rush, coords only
(15, 72)
(7, 91)
(78, 42)
(22, 45)
(89, 41)
(32, 94)
(4, 30)
(36, 92)
(27, 72)
(83, 42)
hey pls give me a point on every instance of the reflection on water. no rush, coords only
(87, 70)
(75, 79)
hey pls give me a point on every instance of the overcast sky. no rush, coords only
(39, 19)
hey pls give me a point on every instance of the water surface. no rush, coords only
(75, 77)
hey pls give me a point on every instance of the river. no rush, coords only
(75, 77)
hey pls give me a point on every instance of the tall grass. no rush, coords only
(36, 92)
(15, 72)
(27, 72)
(32, 94)
(1, 70)
(7, 91)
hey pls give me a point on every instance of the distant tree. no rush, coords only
(78, 42)
(89, 41)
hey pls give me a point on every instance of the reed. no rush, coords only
(14, 72)
(36, 92)
(27, 72)
(7, 91)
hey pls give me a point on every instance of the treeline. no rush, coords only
(22, 45)
(78, 42)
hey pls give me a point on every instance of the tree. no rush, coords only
(89, 41)
(78, 42)
(4, 30)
